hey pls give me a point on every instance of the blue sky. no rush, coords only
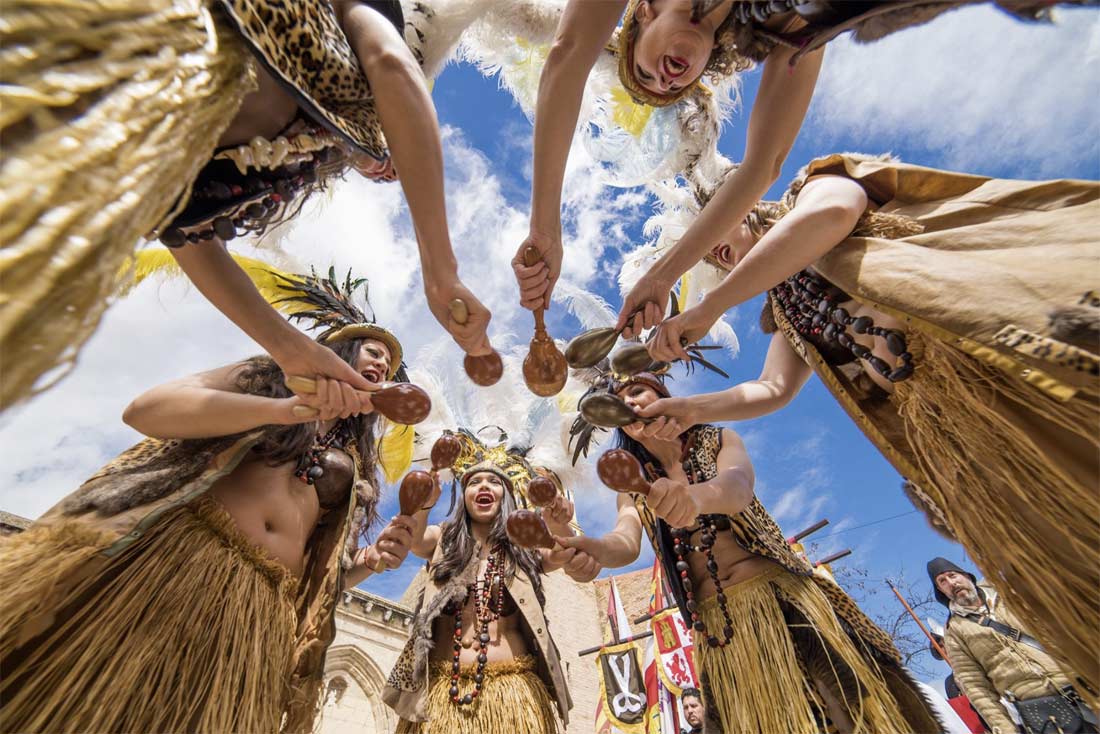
(812, 461)
(973, 91)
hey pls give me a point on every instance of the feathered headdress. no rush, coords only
(329, 305)
(602, 379)
(506, 462)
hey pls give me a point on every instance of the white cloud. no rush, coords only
(164, 331)
(979, 88)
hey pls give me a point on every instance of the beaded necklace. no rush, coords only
(810, 303)
(488, 594)
(310, 469)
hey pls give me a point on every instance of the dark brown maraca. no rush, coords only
(588, 349)
(544, 369)
(608, 411)
(486, 369)
(445, 451)
(542, 492)
(401, 402)
(527, 529)
(634, 358)
(620, 471)
(415, 489)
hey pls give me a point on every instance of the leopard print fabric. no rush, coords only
(756, 531)
(302, 43)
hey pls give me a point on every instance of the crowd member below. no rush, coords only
(993, 658)
(692, 702)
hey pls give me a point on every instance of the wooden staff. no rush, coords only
(812, 529)
(597, 648)
(939, 649)
(834, 557)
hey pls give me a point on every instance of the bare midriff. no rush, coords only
(735, 564)
(265, 112)
(506, 640)
(272, 508)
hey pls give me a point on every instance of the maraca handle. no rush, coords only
(460, 312)
(301, 385)
(532, 257)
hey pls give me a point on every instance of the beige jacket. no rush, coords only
(988, 664)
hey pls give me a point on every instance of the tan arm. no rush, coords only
(206, 405)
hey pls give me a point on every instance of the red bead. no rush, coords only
(683, 574)
(237, 190)
(276, 198)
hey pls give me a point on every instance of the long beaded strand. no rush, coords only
(488, 595)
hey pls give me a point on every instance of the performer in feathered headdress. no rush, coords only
(663, 51)
(480, 656)
(190, 584)
(778, 649)
(955, 318)
(201, 120)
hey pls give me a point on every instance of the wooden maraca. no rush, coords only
(444, 452)
(620, 471)
(544, 369)
(415, 489)
(527, 529)
(542, 492)
(401, 402)
(591, 347)
(486, 369)
(608, 411)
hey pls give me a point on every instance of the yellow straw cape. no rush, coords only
(215, 620)
(763, 681)
(514, 700)
(108, 110)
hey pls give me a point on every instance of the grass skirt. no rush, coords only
(108, 110)
(189, 629)
(1015, 474)
(513, 700)
(762, 682)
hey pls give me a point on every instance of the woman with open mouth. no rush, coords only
(191, 584)
(480, 658)
(665, 49)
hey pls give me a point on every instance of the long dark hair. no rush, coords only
(284, 444)
(459, 544)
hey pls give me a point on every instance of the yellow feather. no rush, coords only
(682, 300)
(628, 114)
(158, 261)
(395, 451)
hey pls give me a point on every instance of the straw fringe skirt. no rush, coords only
(1015, 473)
(786, 636)
(190, 629)
(108, 110)
(513, 700)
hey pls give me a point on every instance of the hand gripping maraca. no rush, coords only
(620, 471)
(544, 369)
(527, 529)
(401, 402)
(485, 370)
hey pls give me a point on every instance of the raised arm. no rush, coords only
(618, 548)
(211, 404)
(584, 29)
(728, 493)
(409, 121)
(782, 377)
(781, 102)
(825, 213)
(385, 553)
(229, 289)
